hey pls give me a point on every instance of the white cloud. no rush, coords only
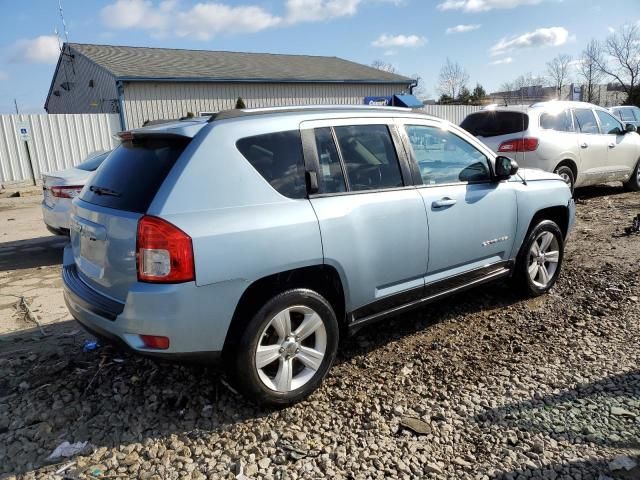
(502, 61)
(142, 14)
(542, 37)
(42, 49)
(611, 30)
(388, 41)
(319, 10)
(389, 53)
(462, 28)
(206, 20)
(483, 5)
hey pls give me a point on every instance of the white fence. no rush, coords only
(453, 113)
(51, 142)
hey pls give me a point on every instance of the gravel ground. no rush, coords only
(483, 385)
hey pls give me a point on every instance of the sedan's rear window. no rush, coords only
(131, 176)
(494, 123)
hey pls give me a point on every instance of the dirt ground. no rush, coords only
(508, 387)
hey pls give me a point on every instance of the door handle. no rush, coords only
(443, 202)
(612, 145)
(584, 145)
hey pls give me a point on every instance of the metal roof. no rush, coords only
(167, 64)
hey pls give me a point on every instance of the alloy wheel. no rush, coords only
(291, 348)
(544, 256)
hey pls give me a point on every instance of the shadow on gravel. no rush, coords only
(601, 471)
(604, 413)
(51, 391)
(32, 253)
(595, 191)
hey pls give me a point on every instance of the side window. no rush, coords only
(560, 121)
(609, 124)
(586, 121)
(369, 157)
(278, 158)
(443, 157)
(330, 177)
(625, 114)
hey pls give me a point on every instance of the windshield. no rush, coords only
(93, 163)
(493, 123)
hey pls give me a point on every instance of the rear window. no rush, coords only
(278, 158)
(494, 123)
(130, 178)
(93, 163)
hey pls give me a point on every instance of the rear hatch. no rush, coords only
(493, 127)
(105, 216)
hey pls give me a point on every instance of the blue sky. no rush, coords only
(495, 40)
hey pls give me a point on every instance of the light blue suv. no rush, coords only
(261, 236)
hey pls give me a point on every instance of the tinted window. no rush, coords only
(369, 157)
(586, 121)
(330, 177)
(278, 158)
(608, 123)
(131, 176)
(560, 121)
(443, 157)
(93, 163)
(625, 114)
(492, 123)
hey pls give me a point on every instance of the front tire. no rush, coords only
(567, 175)
(540, 259)
(286, 349)
(633, 184)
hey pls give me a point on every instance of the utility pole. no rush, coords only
(15, 102)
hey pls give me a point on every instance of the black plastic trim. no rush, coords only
(86, 297)
(406, 300)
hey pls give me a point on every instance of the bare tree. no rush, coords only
(419, 90)
(452, 78)
(623, 63)
(384, 66)
(589, 72)
(508, 92)
(558, 72)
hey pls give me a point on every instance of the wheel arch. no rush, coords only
(558, 214)
(571, 164)
(323, 279)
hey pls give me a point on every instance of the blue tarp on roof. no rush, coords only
(409, 101)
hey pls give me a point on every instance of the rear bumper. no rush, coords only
(56, 218)
(195, 319)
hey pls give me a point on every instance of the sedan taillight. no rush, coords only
(66, 191)
(164, 252)
(527, 144)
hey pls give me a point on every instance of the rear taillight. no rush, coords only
(526, 144)
(71, 191)
(164, 252)
(155, 341)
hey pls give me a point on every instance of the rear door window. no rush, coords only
(586, 121)
(560, 122)
(278, 158)
(369, 157)
(625, 114)
(130, 177)
(331, 176)
(492, 123)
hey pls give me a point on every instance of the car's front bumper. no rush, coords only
(195, 319)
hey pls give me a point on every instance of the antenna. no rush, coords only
(64, 24)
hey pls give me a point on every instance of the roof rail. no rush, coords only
(248, 112)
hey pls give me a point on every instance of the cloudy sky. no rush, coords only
(495, 40)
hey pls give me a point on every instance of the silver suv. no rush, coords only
(581, 142)
(262, 236)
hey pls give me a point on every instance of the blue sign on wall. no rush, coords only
(378, 101)
(407, 101)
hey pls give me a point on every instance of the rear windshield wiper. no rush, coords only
(104, 191)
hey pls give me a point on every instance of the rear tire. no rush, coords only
(567, 175)
(540, 259)
(286, 349)
(633, 184)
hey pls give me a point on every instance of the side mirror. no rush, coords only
(630, 127)
(505, 167)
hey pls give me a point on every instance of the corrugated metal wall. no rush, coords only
(153, 101)
(57, 142)
(80, 73)
(453, 113)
